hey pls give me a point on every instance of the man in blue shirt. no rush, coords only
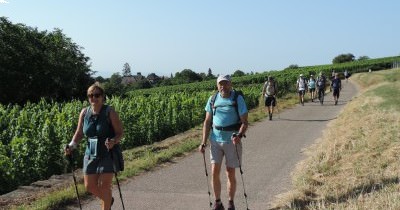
(225, 115)
(336, 85)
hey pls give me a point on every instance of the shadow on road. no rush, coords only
(305, 120)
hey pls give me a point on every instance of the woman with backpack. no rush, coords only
(101, 125)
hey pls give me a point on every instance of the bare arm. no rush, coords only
(78, 134)
(264, 89)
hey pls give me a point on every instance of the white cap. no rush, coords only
(223, 77)
(301, 75)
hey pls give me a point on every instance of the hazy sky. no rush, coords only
(167, 36)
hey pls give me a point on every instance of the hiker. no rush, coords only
(346, 75)
(301, 87)
(321, 83)
(269, 92)
(311, 87)
(333, 74)
(336, 86)
(226, 114)
(103, 128)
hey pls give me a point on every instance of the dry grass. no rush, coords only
(356, 163)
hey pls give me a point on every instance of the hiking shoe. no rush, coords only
(231, 205)
(270, 117)
(336, 102)
(218, 206)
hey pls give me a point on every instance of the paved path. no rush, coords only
(271, 150)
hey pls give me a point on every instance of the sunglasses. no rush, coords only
(96, 95)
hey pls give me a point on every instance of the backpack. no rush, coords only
(321, 81)
(336, 83)
(236, 93)
(302, 83)
(270, 89)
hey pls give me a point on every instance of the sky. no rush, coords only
(168, 36)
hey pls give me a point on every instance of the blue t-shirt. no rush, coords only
(311, 83)
(225, 115)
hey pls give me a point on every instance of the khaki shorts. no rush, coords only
(219, 150)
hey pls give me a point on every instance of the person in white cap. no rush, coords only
(269, 91)
(301, 88)
(225, 124)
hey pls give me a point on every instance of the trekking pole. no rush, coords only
(208, 184)
(241, 174)
(71, 163)
(116, 178)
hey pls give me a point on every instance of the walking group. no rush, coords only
(318, 85)
(224, 128)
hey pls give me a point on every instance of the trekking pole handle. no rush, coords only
(238, 135)
(69, 154)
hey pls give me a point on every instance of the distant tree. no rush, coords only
(292, 66)
(209, 74)
(187, 76)
(238, 73)
(100, 79)
(362, 58)
(126, 70)
(114, 85)
(342, 58)
(203, 76)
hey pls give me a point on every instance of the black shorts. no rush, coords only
(336, 92)
(270, 101)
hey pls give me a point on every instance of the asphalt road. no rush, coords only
(271, 150)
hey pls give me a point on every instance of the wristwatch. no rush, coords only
(203, 145)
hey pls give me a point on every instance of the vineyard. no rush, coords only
(32, 137)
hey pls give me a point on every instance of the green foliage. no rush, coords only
(390, 94)
(186, 76)
(238, 73)
(343, 58)
(6, 177)
(32, 137)
(39, 64)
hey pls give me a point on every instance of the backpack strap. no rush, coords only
(212, 102)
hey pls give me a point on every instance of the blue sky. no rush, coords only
(167, 36)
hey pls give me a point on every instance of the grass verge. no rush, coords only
(355, 164)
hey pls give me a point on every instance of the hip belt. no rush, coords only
(234, 127)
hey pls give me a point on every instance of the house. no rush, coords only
(153, 78)
(132, 78)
